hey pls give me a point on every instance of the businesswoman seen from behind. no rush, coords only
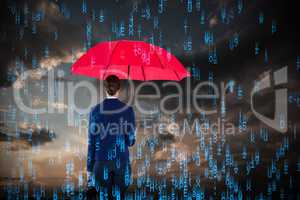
(111, 131)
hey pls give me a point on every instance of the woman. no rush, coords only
(111, 131)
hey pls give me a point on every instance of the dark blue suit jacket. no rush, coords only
(111, 131)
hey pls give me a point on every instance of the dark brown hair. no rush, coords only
(112, 84)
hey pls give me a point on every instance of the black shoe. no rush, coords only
(91, 193)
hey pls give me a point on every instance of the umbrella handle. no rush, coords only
(127, 92)
(127, 95)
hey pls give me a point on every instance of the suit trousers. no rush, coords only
(111, 178)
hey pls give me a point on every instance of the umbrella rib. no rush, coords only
(176, 74)
(143, 72)
(112, 52)
(159, 59)
(128, 72)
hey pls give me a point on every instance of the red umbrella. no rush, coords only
(127, 59)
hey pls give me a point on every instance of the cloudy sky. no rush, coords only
(37, 37)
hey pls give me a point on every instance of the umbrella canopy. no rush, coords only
(127, 59)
